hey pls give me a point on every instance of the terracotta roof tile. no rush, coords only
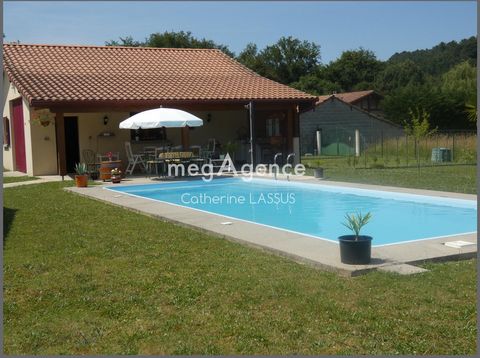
(56, 73)
(348, 97)
(351, 97)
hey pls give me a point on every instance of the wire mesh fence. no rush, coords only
(391, 149)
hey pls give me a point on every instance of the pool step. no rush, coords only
(402, 269)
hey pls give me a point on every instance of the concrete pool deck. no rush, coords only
(319, 253)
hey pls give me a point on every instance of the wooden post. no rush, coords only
(290, 123)
(60, 139)
(185, 138)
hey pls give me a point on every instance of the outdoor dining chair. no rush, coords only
(89, 159)
(133, 159)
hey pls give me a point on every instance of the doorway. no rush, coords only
(19, 136)
(72, 147)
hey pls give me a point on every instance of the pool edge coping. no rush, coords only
(387, 254)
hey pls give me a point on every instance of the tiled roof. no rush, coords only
(349, 97)
(59, 74)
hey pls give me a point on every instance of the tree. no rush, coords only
(419, 128)
(251, 59)
(442, 57)
(171, 39)
(314, 85)
(401, 74)
(352, 68)
(462, 80)
(285, 61)
(471, 110)
(446, 111)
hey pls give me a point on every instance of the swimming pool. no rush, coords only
(318, 210)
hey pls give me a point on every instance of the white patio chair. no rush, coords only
(210, 150)
(133, 159)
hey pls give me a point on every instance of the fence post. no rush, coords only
(381, 138)
(319, 141)
(406, 146)
(357, 143)
(365, 154)
(398, 161)
(453, 146)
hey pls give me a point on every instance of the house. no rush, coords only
(337, 116)
(62, 100)
(368, 100)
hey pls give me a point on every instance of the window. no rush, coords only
(6, 131)
(273, 127)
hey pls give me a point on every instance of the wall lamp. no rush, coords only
(105, 120)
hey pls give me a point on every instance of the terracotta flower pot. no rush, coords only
(116, 178)
(81, 181)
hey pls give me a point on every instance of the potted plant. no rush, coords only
(356, 249)
(317, 170)
(81, 178)
(116, 175)
(230, 148)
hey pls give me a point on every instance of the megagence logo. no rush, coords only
(247, 171)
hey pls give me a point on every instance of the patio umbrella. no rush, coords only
(161, 117)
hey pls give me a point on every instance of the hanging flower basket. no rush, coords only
(43, 116)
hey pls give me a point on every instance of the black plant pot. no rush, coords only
(355, 252)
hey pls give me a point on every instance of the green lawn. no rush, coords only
(7, 180)
(456, 178)
(83, 277)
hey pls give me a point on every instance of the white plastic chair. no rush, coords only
(208, 152)
(133, 159)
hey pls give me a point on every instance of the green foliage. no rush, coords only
(447, 110)
(285, 61)
(461, 80)
(353, 68)
(356, 221)
(419, 125)
(471, 110)
(316, 85)
(442, 57)
(230, 148)
(181, 39)
(399, 74)
(81, 169)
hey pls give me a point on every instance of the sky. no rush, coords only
(383, 27)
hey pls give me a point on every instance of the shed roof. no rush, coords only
(349, 97)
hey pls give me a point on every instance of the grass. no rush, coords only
(7, 180)
(83, 277)
(454, 178)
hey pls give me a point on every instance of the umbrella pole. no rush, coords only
(185, 138)
(250, 110)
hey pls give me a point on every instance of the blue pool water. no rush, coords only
(318, 210)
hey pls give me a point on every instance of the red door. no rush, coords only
(19, 136)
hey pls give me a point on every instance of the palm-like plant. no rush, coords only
(471, 109)
(356, 221)
(81, 169)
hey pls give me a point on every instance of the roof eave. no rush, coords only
(121, 103)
